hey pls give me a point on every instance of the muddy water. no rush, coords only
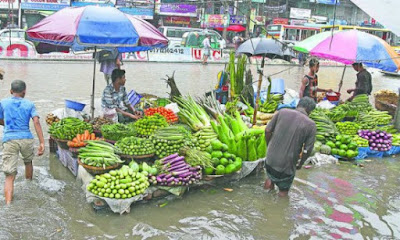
(348, 202)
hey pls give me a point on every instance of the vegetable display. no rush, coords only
(135, 146)
(372, 119)
(99, 154)
(396, 140)
(176, 172)
(203, 138)
(98, 122)
(378, 140)
(223, 161)
(343, 146)
(347, 128)
(195, 157)
(170, 140)
(117, 131)
(80, 139)
(167, 113)
(361, 142)
(68, 128)
(51, 118)
(192, 113)
(119, 184)
(147, 125)
(326, 129)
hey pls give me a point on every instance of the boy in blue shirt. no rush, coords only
(15, 115)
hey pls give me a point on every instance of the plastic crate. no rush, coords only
(77, 106)
(73, 165)
(134, 97)
(63, 156)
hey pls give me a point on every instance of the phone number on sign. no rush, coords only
(169, 50)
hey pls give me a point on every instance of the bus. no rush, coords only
(291, 33)
(385, 34)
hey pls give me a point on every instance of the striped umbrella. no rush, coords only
(350, 46)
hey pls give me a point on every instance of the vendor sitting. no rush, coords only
(309, 84)
(115, 97)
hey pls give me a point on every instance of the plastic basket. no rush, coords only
(134, 97)
(77, 106)
(333, 97)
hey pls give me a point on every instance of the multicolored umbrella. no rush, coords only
(350, 46)
(93, 26)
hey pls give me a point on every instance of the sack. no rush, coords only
(105, 55)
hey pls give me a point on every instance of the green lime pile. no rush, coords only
(119, 184)
(343, 146)
(223, 161)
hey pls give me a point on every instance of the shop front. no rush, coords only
(35, 10)
(8, 13)
(140, 9)
(176, 14)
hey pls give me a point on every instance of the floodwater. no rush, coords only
(342, 202)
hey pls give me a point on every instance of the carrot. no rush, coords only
(78, 136)
(93, 136)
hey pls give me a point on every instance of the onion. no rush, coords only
(373, 144)
(366, 137)
(376, 149)
(382, 134)
(379, 145)
(371, 140)
(373, 137)
(373, 132)
(369, 134)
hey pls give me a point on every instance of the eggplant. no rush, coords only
(180, 172)
(159, 179)
(176, 160)
(170, 157)
(168, 175)
(186, 174)
(170, 169)
(161, 175)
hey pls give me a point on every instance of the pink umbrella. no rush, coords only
(233, 28)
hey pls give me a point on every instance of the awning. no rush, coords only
(386, 12)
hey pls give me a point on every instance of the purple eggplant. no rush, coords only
(186, 174)
(178, 159)
(180, 172)
(170, 157)
(170, 169)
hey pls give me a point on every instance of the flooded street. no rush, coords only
(346, 202)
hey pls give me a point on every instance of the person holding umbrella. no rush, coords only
(363, 83)
(309, 84)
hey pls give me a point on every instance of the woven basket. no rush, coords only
(62, 143)
(110, 141)
(386, 106)
(98, 170)
(74, 151)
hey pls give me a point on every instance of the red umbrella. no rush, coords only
(233, 28)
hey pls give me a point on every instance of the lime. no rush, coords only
(334, 151)
(343, 147)
(220, 170)
(215, 161)
(330, 144)
(208, 171)
(338, 143)
(350, 154)
(224, 161)
(230, 169)
(339, 138)
(342, 153)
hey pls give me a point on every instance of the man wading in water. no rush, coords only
(15, 115)
(288, 134)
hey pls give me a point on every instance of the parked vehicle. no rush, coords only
(195, 40)
(175, 34)
(13, 35)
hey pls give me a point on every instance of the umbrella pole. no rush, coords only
(341, 80)
(93, 85)
(256, 106)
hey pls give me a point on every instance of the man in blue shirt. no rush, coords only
(15, 115)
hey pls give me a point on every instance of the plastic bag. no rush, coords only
(67, 112)
(172, 106)
(326, 105)
(110, 113)
(321, 159)
(290, 95)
